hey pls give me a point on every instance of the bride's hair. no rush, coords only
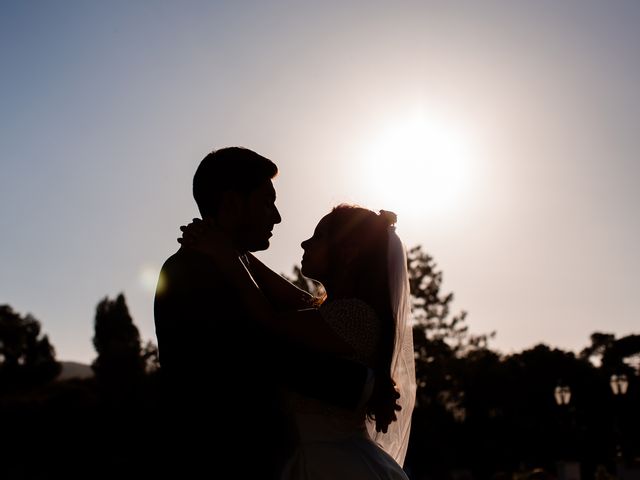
(235, 169)
(367, 233)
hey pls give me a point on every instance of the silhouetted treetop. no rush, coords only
(615, 355)
(26, 357)
(117, 342)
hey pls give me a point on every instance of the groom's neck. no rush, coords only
(228, 227)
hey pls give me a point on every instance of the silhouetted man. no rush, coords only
(222, 373)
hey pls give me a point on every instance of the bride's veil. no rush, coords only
(396, 439)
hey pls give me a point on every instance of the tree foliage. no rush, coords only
(432, 308)
(441, 340)
(120, 357)
(620, 355)
(26, 357)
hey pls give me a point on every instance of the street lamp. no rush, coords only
(562, 394)
(619, 384)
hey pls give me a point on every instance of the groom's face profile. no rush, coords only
(257, 217)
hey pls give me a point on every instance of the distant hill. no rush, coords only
(74, 370)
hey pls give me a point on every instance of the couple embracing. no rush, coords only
(260, 379)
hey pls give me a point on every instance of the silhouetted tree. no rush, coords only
(600, 343)
(26, 357)
(120, 359)
(431, 307)
(127, 396)
(151, 357)
(445, 350)
(615, 355)
(441, 340)
(624, 351)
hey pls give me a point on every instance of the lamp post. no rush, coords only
(562, 396)
(619, 384)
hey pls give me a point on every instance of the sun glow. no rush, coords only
(148, 278)
(419, 167)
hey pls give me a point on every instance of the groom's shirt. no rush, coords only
(217, 368)
(205, 340)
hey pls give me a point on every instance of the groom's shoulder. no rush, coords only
(185, 259)
(188, 267)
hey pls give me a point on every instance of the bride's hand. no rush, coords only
(204, 236)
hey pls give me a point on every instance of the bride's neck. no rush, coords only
(339, 288)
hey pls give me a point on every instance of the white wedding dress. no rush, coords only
(334, 443)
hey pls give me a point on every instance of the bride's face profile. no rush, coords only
(315, 261)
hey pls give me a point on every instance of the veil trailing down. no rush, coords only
(396, 439)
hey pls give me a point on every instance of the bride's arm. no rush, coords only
(283, 294)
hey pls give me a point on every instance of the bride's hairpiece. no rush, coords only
(389, 217)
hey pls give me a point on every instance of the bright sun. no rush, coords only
(418, 168)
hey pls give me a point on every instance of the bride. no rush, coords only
(359, 259)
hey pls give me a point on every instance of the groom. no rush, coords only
(222, 373)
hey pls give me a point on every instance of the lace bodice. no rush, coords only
(357, 324)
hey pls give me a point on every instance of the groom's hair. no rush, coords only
(236, 169)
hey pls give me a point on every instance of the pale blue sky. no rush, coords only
(107, 108)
